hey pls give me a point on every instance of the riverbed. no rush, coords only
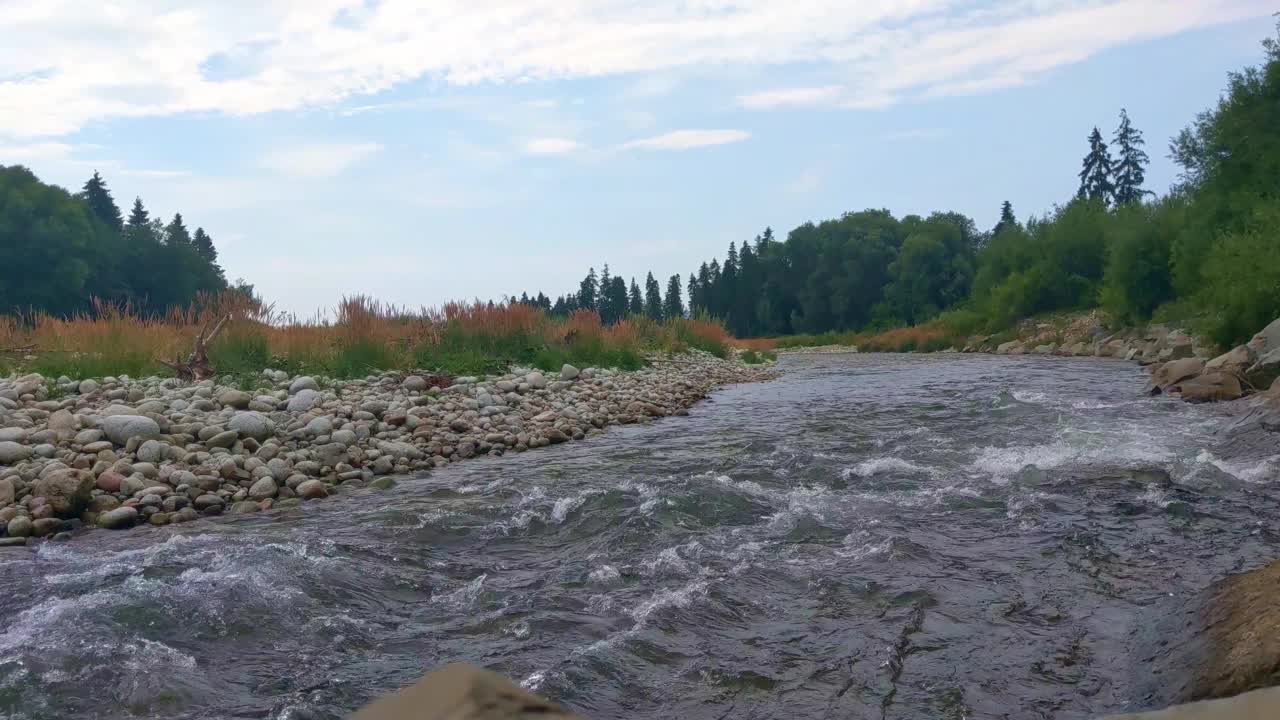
(867, 536)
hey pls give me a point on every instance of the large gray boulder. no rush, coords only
(1267, 339)
(1265, 371)
(252, 424)
(569, 372)
(118, 519)
(305, 382)
(263, 489)
(304, 400)
(120, 429)
(68, 490)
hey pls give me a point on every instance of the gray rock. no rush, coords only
(13, 542)
(263, 489)
(13, 434)
(223, 439)
(7, 492)
(536, 380)
(87, 386)
(245, 506)
(1267, 339)
(322, 425)
(11, 453)
(1266, 371)
(413, 383)
(312, 490)
(306, 382)
(152, 451)
(237, 399)
(118, 519)
(208, 503)
(252, 424)
(569, 372)
(119, 429)
(303, 401)
(343, 437)
(19, 527)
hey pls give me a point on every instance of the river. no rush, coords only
(867, 536)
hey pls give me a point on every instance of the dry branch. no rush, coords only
(196, 367)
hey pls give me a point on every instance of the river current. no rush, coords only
(866, 536)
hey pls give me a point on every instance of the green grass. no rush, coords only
(751, 357)
(110, 361)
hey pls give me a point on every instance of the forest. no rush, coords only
(1206, 253)
(66, 254)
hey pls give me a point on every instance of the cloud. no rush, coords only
(34, 151)
(686, 139)
(317, 160)
(790, 97)
(141, 58)
(158, 174)
(550, 146)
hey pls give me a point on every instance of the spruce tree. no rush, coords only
(1097, 172)
(176, 231)
(101, 203)
(617, 295)
(636, 300)
(588, 291)
(673, 305)
(1007, 218)
(138, 216)
(1130, 170)
(652, 298)
(693, 295)
(604, 304)
(204, 245)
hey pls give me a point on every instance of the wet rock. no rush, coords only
(245, 506)
(1217, 643)
(45, 527)
(263, 489)
(312, 490)
(8, 542)
(118, 519)
(383, 483)
(1211, 387)
(208, 503)
(19, 527)
(463, 692)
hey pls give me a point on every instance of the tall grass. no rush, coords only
(360, 337)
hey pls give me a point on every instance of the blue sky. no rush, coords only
(423, 152)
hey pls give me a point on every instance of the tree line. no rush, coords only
(61, 253)
(1205, 253)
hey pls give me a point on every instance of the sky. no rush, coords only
(434, 150)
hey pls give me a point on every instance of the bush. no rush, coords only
(1242, 279)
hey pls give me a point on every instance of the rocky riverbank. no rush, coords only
(116, 452)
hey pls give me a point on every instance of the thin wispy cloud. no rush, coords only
(158, 174)
(687, 139)
(790, 97)
(236, 59)
(314, 161)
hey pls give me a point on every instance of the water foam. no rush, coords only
(884, 465)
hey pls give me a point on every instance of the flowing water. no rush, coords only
(865, 537)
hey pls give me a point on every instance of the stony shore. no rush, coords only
(116, 452)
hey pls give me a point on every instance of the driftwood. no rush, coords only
(196, 367)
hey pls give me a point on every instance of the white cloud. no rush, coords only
(12, 154)
(686, 139)
(158, 174)
(790, 97)
(551, 146)
(136, 58)
(317, 160)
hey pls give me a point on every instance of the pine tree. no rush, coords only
(652, 298)
(617, 295)
(104, 206)
(673, 305)
(1007, 218)
(604, 304)
(636, 300)
(588, 291)
(1130, 171)
(176, 231)
(1097, 172)
(693, 295)
(138, 216)
(204, 245)
(703, 303)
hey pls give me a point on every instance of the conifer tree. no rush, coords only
(1096, 175)
(693, 295)
(1007, 218)
(587, 291)
(1130, 170)
(617, 295)
(636, 300)
(104, 207)
(604, 303)
(176, 231)
(204, 245)
(673, 305)
(652, 298)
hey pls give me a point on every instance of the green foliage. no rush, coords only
(59, 252)
(110, 359)
(1242, 274)
(240, 351)
(360, 358)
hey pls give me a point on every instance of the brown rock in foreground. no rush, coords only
(462, 692)
(1218, 643)
(1256, 705)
